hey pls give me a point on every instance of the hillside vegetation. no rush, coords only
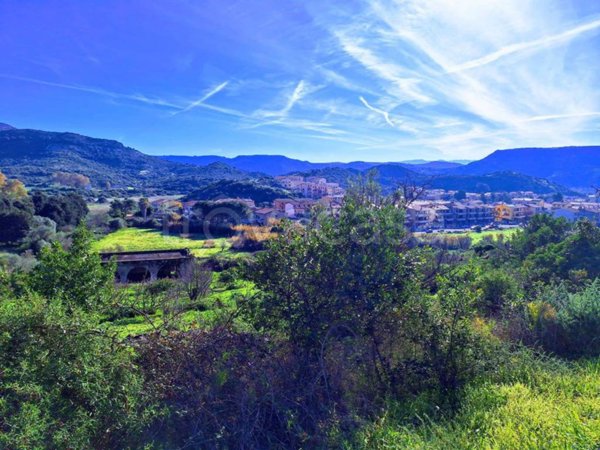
(575, 167)
(35, 157)
(41, 158)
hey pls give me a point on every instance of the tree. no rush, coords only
(16, 218)
(2, 180)
(144, 204)
(540, 231)
(14, 225)
(15, 189)
(66, 210)
(65, 383)
(195, 280)
(76, 276)
(349, 273)
(121, 208)
(71, 179)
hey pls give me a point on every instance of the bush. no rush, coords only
(568, 324)
(240, 390)
(498, 291)
(579, 323)
(64, 383)
(117, 224)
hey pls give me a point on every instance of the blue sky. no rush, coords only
(322, 80)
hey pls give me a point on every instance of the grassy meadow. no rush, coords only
(138, 239)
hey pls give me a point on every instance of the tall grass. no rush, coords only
(532, 403)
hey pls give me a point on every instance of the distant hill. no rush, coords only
(496, 182)
(332, 174)
(575, 167)
(391, 176)
(6, 127)
(272, 165)
(33, 156)
(275, 165)
(257, 190)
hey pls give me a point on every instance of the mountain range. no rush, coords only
(575, 167)
(34, 156)
(275, 165)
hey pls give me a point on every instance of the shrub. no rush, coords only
(498, 290)
(117, 224)
(579, 323)
(568, 324)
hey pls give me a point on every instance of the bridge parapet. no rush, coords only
(148, 265)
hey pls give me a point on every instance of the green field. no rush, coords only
(475, 236)
(137, 239)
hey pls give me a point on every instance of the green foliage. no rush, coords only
(455, 349)
(76, 276)
(579, 323)
(545, 405)
(16, 218)
(121, 208)
(568, 324)
(499, 290)
(349, 270)
(541, 231)
(117, 224)
(261, 191)
(65, 210)
(64, 383)
(554, 250)
(354, 279)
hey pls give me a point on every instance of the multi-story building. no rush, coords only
(293, 208)
(464, 215)
(311, 187)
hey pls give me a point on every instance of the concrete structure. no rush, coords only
(311, 187)
(136, 267)
(263, 215)
(294, 207)
(424, 215)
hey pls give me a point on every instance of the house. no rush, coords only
(262, 215)
(293, 208)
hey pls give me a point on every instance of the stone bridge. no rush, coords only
(136, 267)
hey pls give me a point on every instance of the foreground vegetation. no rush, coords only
(543, 404)
(344, 333)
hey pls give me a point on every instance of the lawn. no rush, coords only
(138, 239)
(506, 234)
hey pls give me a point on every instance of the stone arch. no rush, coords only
(138, 275)
(168, 270)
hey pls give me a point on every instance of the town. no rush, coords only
(433, 210)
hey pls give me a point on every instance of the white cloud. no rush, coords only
(200, 102)
(383, 113)
(527, 46)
